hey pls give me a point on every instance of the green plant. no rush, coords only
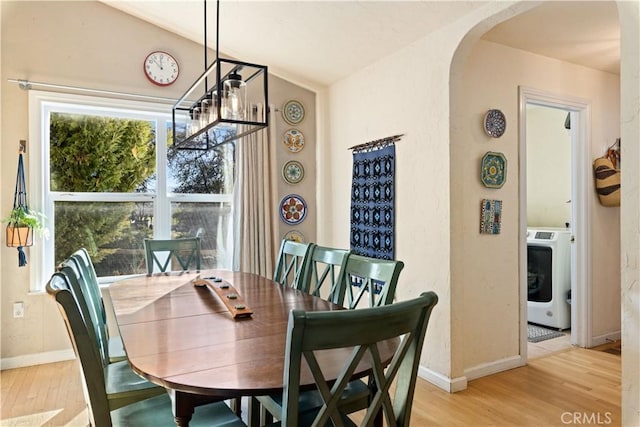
(21, 217)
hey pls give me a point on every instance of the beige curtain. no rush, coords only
(253, 205)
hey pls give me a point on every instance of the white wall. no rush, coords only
(548, 167)
(491, 79)
(375, 103)
(629, 13)
(475, 327)
(366, 106)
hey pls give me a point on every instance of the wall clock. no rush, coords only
(161, 68)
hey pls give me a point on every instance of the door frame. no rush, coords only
(581, 174)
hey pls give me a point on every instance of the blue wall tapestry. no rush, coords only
(372, 202)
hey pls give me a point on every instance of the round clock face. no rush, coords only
(161, 68)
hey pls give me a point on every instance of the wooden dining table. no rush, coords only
(185, 339)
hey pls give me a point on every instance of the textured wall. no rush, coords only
(629, 13)
(437, 238)
(489, 264)
(548, 168)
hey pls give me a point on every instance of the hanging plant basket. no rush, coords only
(19, 236)
(22, 221)
(21, 225)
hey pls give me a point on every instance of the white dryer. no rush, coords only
(549, 277)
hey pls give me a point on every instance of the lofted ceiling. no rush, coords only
(320, 42)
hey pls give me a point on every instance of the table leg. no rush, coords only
(182, 421)
(253, 413)
(182, 405)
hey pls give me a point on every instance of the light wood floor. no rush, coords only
(551, 391)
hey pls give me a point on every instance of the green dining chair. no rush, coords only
(363, 330)
(371, 277)
(114, 393)
(94, 297)
(326, 269)
(291, 264)
(367, 282)
(121, 385)
(162, 253)
(83, 276)
(361, 276)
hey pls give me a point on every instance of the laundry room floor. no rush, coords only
(547, 347)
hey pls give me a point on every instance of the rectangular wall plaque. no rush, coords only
(491, 216)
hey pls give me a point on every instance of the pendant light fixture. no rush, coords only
(228, 101)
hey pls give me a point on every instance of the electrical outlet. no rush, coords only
(18, 309)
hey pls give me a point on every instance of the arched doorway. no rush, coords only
(629, 13)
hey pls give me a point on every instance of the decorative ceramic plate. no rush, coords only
(295, 235)
(293, 172)
(293, 139)
(293, 112)
(495, 123)
(293, 209)
(493, 170)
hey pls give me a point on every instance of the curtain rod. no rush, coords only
(26, 85)
(374, 143)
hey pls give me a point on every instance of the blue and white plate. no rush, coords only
(293, 209)
(495, 123)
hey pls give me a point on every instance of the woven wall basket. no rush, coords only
(607, 182)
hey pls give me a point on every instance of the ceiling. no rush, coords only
(582, 32)
(320, 42)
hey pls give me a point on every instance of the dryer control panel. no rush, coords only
(544, 235)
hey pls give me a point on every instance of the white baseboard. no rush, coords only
(450, 385)
(36, 359)
(453, 385)
(493, 367)
(606, 338)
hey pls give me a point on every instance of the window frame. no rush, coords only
(41, 105)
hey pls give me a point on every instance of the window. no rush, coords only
(107, 176)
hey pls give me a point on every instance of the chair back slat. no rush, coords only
(113, 345)
(89, 305)
(83, 261)
(363, 331)
(326, 269)
(291, 264)
(376, 278)
(161, 254)
(83, 257)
